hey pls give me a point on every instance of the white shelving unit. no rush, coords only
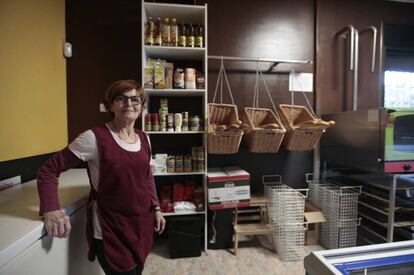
(184, 14)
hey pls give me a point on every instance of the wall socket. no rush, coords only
(10, 182)
(102, 108)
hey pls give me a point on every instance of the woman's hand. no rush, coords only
(57, 224)
(159, 222)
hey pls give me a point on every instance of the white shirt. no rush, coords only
(85, 148)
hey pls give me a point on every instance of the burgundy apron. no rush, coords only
(124, 202)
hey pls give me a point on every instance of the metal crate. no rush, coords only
(290, 241)
(286, 212)
(339, 205)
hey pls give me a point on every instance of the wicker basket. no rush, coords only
(303, 129)
(223, 142)
(258, 139)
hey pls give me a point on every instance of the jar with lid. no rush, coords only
(179, 163)
(171, 164)
(200, 81)
(164, 104)
(195, 123)
(188, 164)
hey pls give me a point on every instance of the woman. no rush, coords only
(123, 208)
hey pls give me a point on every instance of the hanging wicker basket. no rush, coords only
(224, 130)
(304, 130)
(263, 130)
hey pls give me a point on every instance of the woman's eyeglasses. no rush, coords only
(135, 100)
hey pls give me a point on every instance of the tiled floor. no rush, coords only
(254, 257)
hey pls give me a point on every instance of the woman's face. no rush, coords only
(127, 106)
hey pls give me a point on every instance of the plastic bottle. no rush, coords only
(166, 32)
(174, 33)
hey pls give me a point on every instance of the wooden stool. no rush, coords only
(261, 228)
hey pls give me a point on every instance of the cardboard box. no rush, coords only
(160, 163)
(314, 216)
(228, 187)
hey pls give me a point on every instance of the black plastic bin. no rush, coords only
(220, 229)
(185, 236)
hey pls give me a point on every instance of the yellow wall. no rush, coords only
(33, 116)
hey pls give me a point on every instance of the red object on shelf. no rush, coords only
(178, 192)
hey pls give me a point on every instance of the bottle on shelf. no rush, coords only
(166, 32)
(169, 75)
(149, 31)
(157, 33)
(200, 80)
(199, 40)
(159, 75)
(190, 36)
(173, 33)
(179, 82)
(182, 35)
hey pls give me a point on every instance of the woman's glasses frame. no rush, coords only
(135, 100)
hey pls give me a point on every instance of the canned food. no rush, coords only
(148, 125)
(171, 164)
(187, 164)
(195, 123)
(179, 164)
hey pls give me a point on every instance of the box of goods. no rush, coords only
(160, 163)
(313, 216)
(228, 187)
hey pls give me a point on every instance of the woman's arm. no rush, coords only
(47, 178)
(56, 222)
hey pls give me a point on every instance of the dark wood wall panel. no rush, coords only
(106, 39)
(333, 81)
(268, 29)
(271, 29)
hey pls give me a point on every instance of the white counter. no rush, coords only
(20, 223)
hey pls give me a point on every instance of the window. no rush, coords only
(398, 89)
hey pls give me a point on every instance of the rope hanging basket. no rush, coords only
(224, 127)
(224, 131)
(304, 130)
(264, 131)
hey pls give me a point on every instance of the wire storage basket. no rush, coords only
(339, 205)
(286, 212)
(304, 130)
(263, 130)
(224, 131)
